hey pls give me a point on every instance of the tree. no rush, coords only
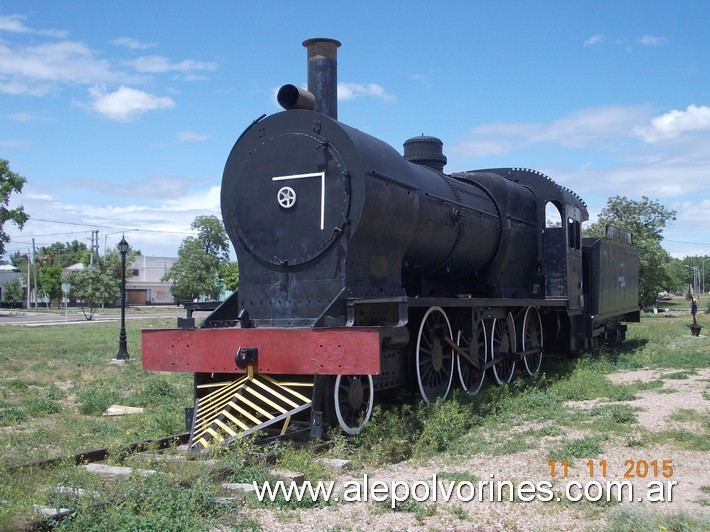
(93, 288)
(111, 262)
(678, 271)
(9, 182)
(201, 259)
(19, 260)
(194, 273)
(13, 293)
(50, 282)
(230, 275)
(646, 220)
(64, 254)
(212, 236)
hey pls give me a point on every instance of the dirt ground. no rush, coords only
(690, 493)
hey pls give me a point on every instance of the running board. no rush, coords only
(236, 408)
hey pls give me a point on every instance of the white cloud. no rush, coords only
(133, 44)
(15, 24)
(35, 70)
(674, 123)
(125, 104)
(42, 67)
(204, 200)
(350, 91)
(595, 39)
(23, 117)
(422, 79)
(162, 224)
(157, 64)
(191, 136)
(163, 187)
(584, 128)
(45, 197)
(650, 40)
(14, 143)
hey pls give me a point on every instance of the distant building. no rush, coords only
(7, 273)
(73, 268)
(143, 284)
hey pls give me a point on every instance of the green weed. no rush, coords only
(41, 407)
(678, 375)
(634, 519)
(444, 422)
(151, 503)
(94, 400)
(588, 381)
(588, 447)
(11, 415)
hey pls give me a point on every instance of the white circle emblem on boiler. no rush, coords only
(286, 197)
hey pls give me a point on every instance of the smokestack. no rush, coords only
(323, 74)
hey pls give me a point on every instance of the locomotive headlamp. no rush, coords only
(246, 356)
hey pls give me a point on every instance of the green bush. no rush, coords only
(151, 503)
(634, 519)
(94, 401)
(389, 435)
(156, 390)
(41, 407)
(443, 423)
(11, 415)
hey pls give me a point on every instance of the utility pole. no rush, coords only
(29, 287)
(34, 271)
(96, 248)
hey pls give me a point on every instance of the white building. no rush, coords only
(143, 284)
(7, 273)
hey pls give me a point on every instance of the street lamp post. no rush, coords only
(122, 348)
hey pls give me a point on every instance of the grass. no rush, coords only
(665, 343)
(632, 519)
(587, 447)
(55, 382)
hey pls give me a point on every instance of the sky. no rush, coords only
(121, 115)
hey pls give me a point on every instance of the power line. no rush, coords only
(111, 227)
(72, 223)
(14, 237)
(55, 234)
(684, 242)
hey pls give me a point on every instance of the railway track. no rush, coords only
(161, 455)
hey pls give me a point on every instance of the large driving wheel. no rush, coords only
(476, 344)
(502, 343)
(353, 399)
(434, 358)
(532, 339)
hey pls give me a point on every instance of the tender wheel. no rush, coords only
(532, 339)
(434, 358)
(353, 399)
(476, 343)
(503, 341)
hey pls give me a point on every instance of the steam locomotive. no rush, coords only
(363, 270)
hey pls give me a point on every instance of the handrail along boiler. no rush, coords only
(362, 270)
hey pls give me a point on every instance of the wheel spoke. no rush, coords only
(532, 339)
(474, 342)
(503, 341)
(352, 419)
(434, 358)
